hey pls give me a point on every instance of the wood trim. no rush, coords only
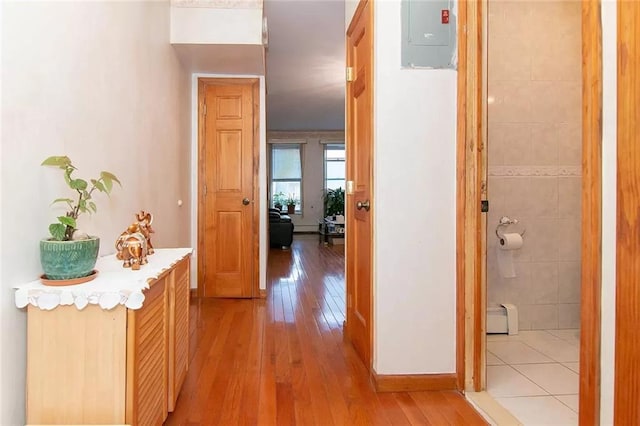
(461, 179)
(470, 172)
(193, 293)
(201, 174)
(255, 291)
(263, 293)
(627, 349)
(414, 382)
(255, 83)
(589, 413)
(477, 127)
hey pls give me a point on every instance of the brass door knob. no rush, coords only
(245, 201)
(363, 205)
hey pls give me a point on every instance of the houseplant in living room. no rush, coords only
(334, 202)
(278, 199)
(68, 253)
(291, 202)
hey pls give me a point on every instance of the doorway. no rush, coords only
(475, 183)
(228, 221)
(533, 115)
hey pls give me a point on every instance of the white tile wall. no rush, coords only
(535, 121)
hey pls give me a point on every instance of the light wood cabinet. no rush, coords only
(118, 366)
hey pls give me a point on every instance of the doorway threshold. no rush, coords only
(491, 410)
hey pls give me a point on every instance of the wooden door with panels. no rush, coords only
(228, 176)
(359, 238)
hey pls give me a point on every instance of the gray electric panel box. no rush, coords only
(428, 34)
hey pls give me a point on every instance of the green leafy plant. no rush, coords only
(291, 200)
(63, 230)
(279, 200)
(334, 202)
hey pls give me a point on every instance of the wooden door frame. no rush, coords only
(255, 270)
(470, 299)
(626, 378)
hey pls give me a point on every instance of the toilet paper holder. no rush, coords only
(505, 222)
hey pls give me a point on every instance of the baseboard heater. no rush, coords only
(502, 319)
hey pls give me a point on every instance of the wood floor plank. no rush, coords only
(283, 360)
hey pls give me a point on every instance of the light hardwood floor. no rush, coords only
(283, 360)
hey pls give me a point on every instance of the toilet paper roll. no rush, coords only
(508, 243)
(511, 241)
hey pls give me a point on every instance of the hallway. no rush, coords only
(283, 360)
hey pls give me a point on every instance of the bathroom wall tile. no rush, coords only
(542, 237)
(543, 197)
(557, 59)
(569, 315)
(570, 143)
(509, 58)
(517, 146)
(495, 143)
(517, 196)
(512, 102)
(507, 290)
(570, 197)
(555, 101)
(569, 239)
(512, 18)
(543, 283)
(541, 317)
(544, 144)
(569, 282)
(554, 19)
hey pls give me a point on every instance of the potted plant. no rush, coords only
(68, 253)
(291, 202)
(278, 200)
(334, 202)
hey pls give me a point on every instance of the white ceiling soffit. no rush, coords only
(222, 58)
(305, 64)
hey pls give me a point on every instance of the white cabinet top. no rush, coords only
(113, 286)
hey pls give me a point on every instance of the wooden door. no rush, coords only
(359, 243)
(228, 222)
(627, 351)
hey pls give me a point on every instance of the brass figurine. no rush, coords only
(134, 244)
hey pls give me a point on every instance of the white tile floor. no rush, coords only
(534, 375)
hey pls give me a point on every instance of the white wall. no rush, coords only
(415, 187)
(609, 169)
(99, 82)
(201, 25)
(262, 172)
(350, 7)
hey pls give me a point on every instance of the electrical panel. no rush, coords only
(428, 34)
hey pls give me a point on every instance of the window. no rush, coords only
(286, 173)
(334, 166)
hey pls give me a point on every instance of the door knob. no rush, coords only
(363, 205)
(245, 201)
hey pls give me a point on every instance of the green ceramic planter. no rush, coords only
(63, 260)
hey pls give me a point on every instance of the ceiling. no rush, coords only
(305, 64)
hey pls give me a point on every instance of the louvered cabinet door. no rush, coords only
(178, 330)
(147, 358)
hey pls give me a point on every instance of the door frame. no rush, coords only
(471, 144)
(255, 269)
